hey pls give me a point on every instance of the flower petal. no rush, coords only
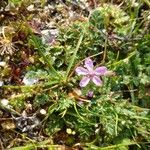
(89, 64)
(90, 94)
(97, 80)
(84, 81)
(100, 70)
(81, 71)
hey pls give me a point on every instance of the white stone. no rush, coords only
(29, 81)
(68, 130)
(30, 8)
(1, 83)
(43, 111)
(4, 102)
(148, 17)
(2, 63)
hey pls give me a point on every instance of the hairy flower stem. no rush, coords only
(9, 109)
(105, 50)
(47, 85)
(74, 56)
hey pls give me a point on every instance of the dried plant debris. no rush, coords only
(26, 124)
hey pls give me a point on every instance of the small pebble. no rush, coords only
(1, 83)
(43, 111)
(68, 130)
(4, 102)
(29, 81)
(2, 63)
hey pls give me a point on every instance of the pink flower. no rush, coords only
(89, 73)
(90, 94)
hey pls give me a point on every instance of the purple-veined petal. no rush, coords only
(97, 80)
(90, 94)
(89, 64)
(84, 81)
(81, 71)
(100, 71)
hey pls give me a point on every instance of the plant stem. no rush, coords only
(39, 48)
(74, 56)
(132, 94)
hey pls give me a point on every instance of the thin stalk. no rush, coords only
(147, 2)
(132, 94)
(105, 50)
(9, 109)
(48, 63)
(74, 55)
(122, 61)
(39, 48)
(81, 116)
(31, 86)
(113, 146)
(116, 125)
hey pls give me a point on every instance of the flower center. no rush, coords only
(91, 74)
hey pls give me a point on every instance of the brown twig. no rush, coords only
(1, 145)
